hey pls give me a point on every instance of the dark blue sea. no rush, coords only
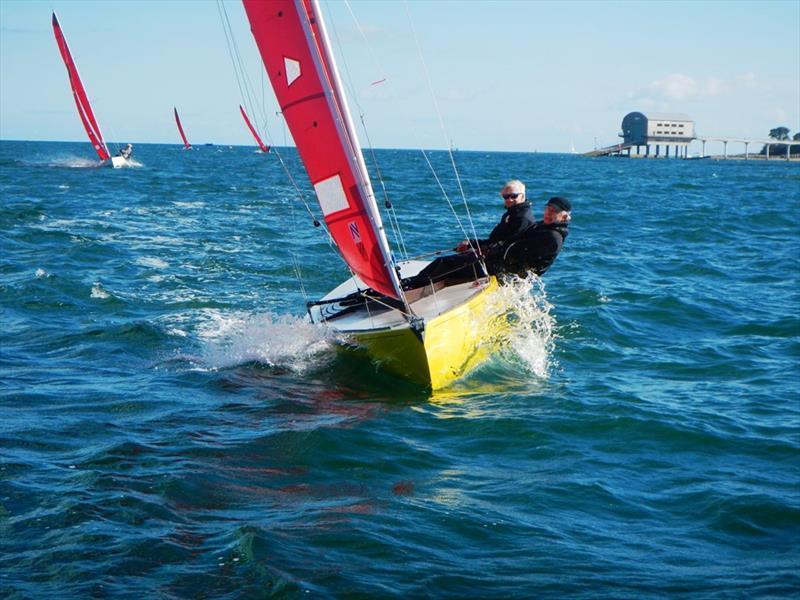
(172, 426)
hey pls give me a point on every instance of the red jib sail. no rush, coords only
(264, 148)
(291, 37)
(79, 93)
(186, 143)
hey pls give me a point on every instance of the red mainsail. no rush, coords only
(264, 148)
(186, 143)
(291, 37)
(79, 93)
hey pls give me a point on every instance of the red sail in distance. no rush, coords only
(186, 143)
(79, 93)
(292, 43)
(264, 148)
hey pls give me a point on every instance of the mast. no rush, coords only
(316, 24)
(79, 94)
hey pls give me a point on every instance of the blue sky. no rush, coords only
(508, 75)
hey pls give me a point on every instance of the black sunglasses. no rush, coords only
(511, 196)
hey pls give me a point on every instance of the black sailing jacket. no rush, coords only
(534, 250)
(516, 220)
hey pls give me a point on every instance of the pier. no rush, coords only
(657, 135)
(747, 141)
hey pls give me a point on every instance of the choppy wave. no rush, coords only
(171, 427)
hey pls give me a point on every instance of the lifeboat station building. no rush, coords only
(657, 134)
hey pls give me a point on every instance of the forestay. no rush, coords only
(291, 37)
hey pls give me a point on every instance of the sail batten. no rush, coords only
(264, 147)
(291, 38)
(79, 94)
(186, 143)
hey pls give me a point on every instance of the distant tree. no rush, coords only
(778, 133)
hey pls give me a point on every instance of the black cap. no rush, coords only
(560, 203)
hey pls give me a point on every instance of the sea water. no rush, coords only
(172, 426)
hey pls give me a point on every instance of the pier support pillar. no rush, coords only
(725, 149)
(703, 151)
(746, 155)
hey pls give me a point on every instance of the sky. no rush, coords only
(477, 75)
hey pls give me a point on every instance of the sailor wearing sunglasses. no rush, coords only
(516, 220)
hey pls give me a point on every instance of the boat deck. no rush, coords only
(374, 315)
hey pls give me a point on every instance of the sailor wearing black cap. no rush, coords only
(538, 247)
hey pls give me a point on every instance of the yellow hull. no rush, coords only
(453, 343)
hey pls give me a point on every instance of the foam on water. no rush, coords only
(530, 340)
(99, 292)
(273, 340)
(152, 261)
(72, 162)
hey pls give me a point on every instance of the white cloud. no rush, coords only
(680, 88)
(674, 87)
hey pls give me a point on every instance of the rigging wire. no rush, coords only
(441, 121)
(413, 130)
(245, 88)
(244, 91)
(246, 95)
(394, 223)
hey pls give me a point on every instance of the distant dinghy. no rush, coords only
(264, 147)
(186, 144)
(82, 102)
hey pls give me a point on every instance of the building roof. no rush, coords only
(667, 116)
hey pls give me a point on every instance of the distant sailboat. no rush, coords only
(82, 102)
(432, 335)
(264, 147)
(186, 144)
(572, 147)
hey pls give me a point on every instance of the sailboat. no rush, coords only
(264, 148)
(186, 144)
(82, 102)
(431, 335)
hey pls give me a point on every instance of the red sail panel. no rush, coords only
(303, 80)
(186, 143)
(261, 145)
(79, 93)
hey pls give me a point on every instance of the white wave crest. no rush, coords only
(274, 340)
(531, 338)
(99, 292)
(73, 162)
(152, 261)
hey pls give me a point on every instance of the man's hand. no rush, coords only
(462, 246)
